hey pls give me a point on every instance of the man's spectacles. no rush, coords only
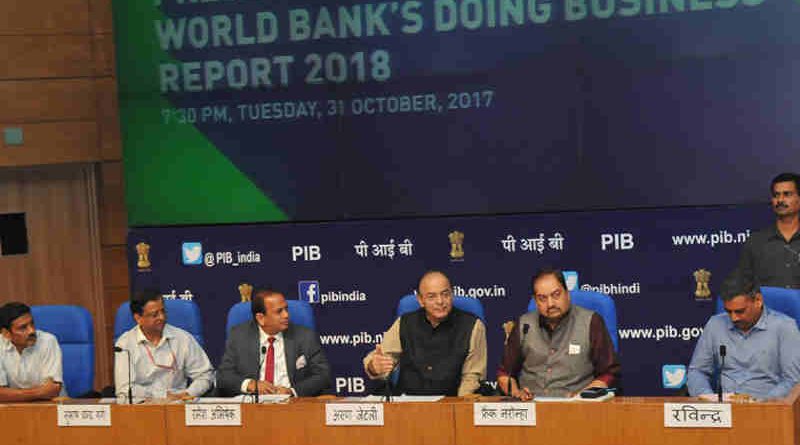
(444, 295)
(155, 314)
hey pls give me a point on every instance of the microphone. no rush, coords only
(722, 352)
(388, 386)
(130, 379)
(261, 355)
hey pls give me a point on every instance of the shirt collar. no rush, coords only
(167, 334)
(543, 320)
(6, 345)
(445, 321)
(263, 336)
(776, 234)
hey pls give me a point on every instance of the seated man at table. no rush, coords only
(164, 358)
(30, 360)
(761, 348)
(438, 349)
(271, 355)
(561, 348)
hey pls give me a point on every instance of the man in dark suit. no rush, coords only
(272, 355)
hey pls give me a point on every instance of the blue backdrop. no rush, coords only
(645, 259)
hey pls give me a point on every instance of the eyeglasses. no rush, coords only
(155, 314)
(444, 295)
(555, 295)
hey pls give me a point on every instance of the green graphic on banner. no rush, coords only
(173, 174)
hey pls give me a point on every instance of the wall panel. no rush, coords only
(50, 17)
(31, 57)
(113, 215)
(100, 16)
(63, 239)
(103, 49)
(47, 100)
(108, 119)
(53, 143)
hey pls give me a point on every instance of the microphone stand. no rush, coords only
(525, 328)
(130, 378)
(262, 351)
(722, 352)
(388, 388)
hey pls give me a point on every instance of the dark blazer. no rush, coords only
(242, 351)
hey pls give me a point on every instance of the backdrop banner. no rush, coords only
(654, 263)
(252, 110)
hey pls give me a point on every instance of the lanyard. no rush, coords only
(172, 367)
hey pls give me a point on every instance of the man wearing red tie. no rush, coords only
(271, 355)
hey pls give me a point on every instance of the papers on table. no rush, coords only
(242, 398)
(576, 398)
(401, 399)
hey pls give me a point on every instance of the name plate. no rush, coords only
(348, 414)
(84, 415)
(505, 414)
(698, 415)
(220, 414)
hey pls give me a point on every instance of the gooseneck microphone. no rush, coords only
(722, 352)
(262, 352)
(130, 378)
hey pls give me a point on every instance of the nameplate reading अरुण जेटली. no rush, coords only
(349, 414)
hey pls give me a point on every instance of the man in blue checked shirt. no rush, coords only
(757, 348)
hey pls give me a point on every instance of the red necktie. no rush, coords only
(269, 365)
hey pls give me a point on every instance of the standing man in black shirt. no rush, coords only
(771, 257)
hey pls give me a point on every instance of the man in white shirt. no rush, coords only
(164, 357)
(30, 360)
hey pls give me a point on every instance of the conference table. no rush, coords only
(620, 421)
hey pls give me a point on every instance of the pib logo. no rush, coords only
(617, 241)
(306, 253)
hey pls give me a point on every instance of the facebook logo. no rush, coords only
(308, 290)
(673, 376)
(192, 254)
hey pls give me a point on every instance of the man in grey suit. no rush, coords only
(271, 355)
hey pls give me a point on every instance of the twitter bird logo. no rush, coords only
(192, 254)
(571, 278)
(673, 376)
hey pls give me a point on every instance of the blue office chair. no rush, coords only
(184, 314)
(409, 303)
(779, 299)
(73, 327)
(600, 303)
(300, 313)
